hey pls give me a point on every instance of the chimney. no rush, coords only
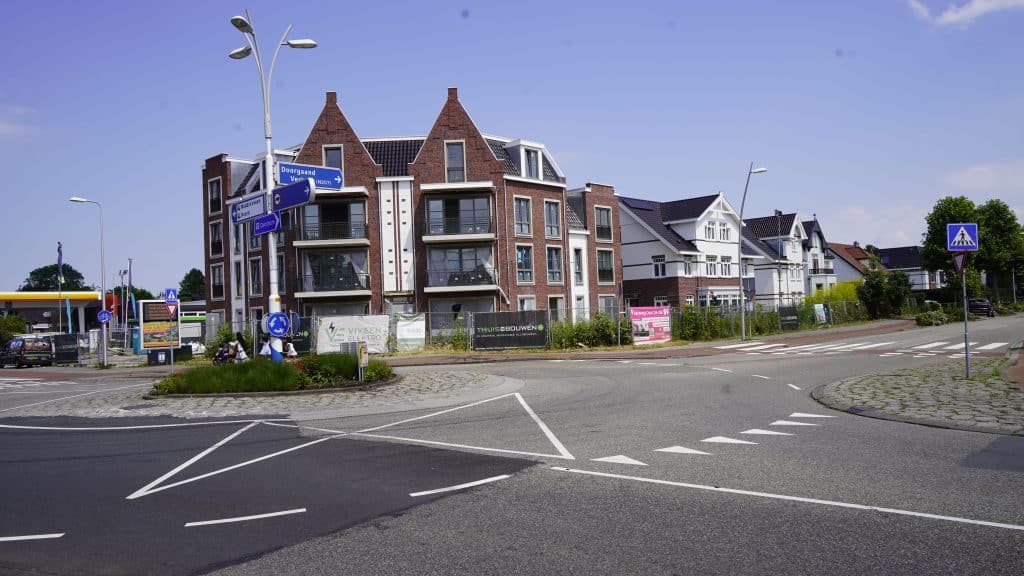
(453, 93)
(856, 244)
(332, 98)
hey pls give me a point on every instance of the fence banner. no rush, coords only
(651, 324)
(499, 330)
(331, 331)
(410, 331)
(819, 314)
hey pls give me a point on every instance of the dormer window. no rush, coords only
(455, 161)
(531, 163)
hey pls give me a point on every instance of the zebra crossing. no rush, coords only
(11, 384)
(938, 348)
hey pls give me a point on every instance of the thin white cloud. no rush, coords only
(891, 226)
(989, 177)
(963, 14)
(12, 129)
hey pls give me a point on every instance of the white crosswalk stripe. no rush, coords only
(762, 347)
(929, 345)
(992, 346)
(959, 346)
(740, 345)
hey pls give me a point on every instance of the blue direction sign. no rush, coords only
(323, 176)
(294, 194)
(248, 207)
(266, 224)
(103, 316)
(277, 324)
(962, 237)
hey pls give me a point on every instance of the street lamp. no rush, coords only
(244, 25)
(739, 250)
(778, 262)
(103, 277)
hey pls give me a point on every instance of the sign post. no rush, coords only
(171, 302)
(961, 238)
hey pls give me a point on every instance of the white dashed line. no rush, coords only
(30, 537)
(721, 369)
(244, 518)
(790, 423)
(793, 386)
(992, 346)
(461, 486)
(761, 377)
(929, 345)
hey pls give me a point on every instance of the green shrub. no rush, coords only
(377, 370)
(223, 336)
(325, 370)
(254, 376)
(1003, 309)
(934, 318)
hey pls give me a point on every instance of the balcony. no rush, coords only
(480, 277)
(346, 282)
(315, 234)
(821, 271)
(458, 230)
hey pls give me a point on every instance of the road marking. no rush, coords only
(453, 445)
(959, 346)
(806, 415)
(624, 361)
(835, 503)
(461, 486)
(30, 537)
(244, 518)
(929, 345)
(820, 347)
(25, 379)
(804, 353)
(620, 459)
(887, 354)
(141, 427)
(74, 396)
(868, 346)
(556, 360)
(740, 345)
(992, 346)
(793, 386)
(725, 440)
(802, 347)
(753, 353)
(766, 432)
(761, 377)
(721, 369)
(681, 450)
(790, 423)
(763, 347)
(835, 352)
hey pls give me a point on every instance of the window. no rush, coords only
(605, 268)
(603, 223)
(213, 191)
(333, 156)
(455, 161)
(661, 300)
(254, 239)
(216, 239)
(577, 266)
(280, 274)
(466, 266)
(217, 282)
(524, 263)
(522, 210)
(688, 265)
(748, 269)
(527, 303)
(531, 164)
(689, 299)
(659, 266)
(607, 305)
(552, 220)
(709, 230)
(459, 215)
(556, 308)
(712, 264)
(238, 238)
(726, 265)
(724, 232)
(255, 276)
(555, 265)
(239, 280)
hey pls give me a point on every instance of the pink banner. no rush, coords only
(651, 324)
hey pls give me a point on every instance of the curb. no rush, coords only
(339, 389)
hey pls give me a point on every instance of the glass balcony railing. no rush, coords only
(478, 276)
(332, 231)
(335, 281)
(441, 226)
(822, 271)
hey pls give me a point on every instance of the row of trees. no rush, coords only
(44, 279)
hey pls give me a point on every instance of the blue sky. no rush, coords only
(865, 113)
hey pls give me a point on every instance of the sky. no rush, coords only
(864, 113)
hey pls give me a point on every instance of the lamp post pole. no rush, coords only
(739, 251)
(103, 278)
(244, 25)
(778, 264)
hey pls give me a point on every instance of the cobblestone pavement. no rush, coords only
(936, 395)
(421, 388)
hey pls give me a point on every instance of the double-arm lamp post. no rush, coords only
(244, 25)
(739, 251)
(103, 278)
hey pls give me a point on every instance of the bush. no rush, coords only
(377, 370)
(10, 325)
(934, 318)
(254, 376)
(325, 370)
(223, 336)
(1003, 309)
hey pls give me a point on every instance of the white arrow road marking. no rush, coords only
(790, 423)
(766, 432)
(725, 440)
(681, 450)
(244, 518)
(460, 486)
(30, 537)
(620, 459)
(806, 415)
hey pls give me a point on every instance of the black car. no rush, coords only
(27, 350)
(980, 306)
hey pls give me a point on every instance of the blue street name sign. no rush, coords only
(962, 237)
(266, 224)
(277, 324)
(323, 176)
(103, 316)
(248, 207)
(294, 194)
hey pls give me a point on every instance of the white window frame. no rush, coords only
(529, 215)
(524, 303)
(533, 259)
(561, 264)
(526, 154)
(255, 241)
(598, 266)
(465, 177)
(562, 311)
(238, 278)
(659, 265)
(726, 266)
(220, 225)
(213, 277)
(711, 266)
(558, 219)
(688, 262)
(661, 300)
(689, 300)
(709, 230)
(578, 277)
(602, 297)
(724, 231)
(341, 151)
(611, 225)
(220, 193)
(249, 271)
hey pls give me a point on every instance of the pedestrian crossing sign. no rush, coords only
(962, 237)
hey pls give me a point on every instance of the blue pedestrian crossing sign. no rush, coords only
(962, 237)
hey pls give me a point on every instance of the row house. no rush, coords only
(780, 273)
(851, 261)
(819, 265)
(452, 222)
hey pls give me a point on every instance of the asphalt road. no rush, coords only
(604, 477)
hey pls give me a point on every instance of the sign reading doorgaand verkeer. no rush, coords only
(159, 329)
(324, 177)
(500, 330)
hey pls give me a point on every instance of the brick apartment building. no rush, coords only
(452, 222)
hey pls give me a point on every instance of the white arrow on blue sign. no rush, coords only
(103, 316)
(266, 223)
(323, 176)
(276, 324)
(295, 194)
(249, 207)
(962, 237)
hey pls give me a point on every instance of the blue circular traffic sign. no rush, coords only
(277, 324)
(103, 316)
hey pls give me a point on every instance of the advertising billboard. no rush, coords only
(651, 324)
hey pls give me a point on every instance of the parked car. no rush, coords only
(980, 306)
(28, 350)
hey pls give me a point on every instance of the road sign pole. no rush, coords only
(967, 349)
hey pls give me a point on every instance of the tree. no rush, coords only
(192, 286)
(897, 290)
(948, 210)
(872, 292)
(44, 279)
(1000, 242)
(10, 325)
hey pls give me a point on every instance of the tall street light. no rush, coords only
(244, 25)
(103, 277)
(778, 262)
(739, 251)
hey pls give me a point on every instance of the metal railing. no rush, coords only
(478, 276)
(821, 271)
(332, 231)
(439, 226)
(334, 282)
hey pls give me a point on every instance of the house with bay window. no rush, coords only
(451, 222)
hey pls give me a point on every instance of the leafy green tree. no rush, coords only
(897, 290)
(192, 286)
(10, 325)
(872, 292)
(1000, 243)
(44, 279)
(955, 287)
(948, 210)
